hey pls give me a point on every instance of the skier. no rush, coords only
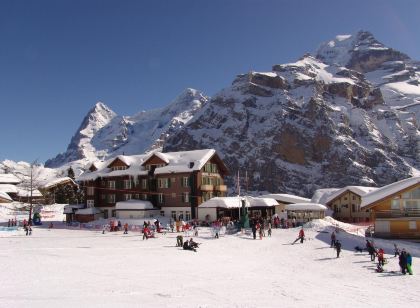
(333, 238)
(338, 247)
(269, 229)
(146, 233)
(409, 263)
(381, 259)
(396, 250)
(126, 228)
(371, 250)
(254, 230)
(301, 236)
(193, 244)
(403, 261)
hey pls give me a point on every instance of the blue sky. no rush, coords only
(58, 58)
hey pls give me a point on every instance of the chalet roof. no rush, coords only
(286, 198)
(58, 182)
(26, 192)
(134, 205)
(358, 190)
(389, 190)
(133, 162)
(8, 188)
(321, 195)
(5, 196)
(7, 178)
(178, 162)
(305, 207)
(236, 202)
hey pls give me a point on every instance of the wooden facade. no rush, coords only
(397, 215)
(347, 207)
(176, 194)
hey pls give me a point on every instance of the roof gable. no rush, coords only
(388, 191)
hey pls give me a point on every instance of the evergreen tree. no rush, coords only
(70, 173)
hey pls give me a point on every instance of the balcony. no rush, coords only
(207, 187)
(397, 214)
(221, 188)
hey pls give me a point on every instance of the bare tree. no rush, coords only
(30, 180)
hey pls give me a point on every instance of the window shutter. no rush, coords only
(168, 180)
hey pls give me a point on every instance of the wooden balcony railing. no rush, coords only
(397, 213)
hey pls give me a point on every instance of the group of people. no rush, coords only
(260, 225)
(12, 223)
(404, 257)
(190, 245)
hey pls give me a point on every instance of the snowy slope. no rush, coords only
(79, 268)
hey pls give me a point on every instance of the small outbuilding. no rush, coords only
(304, 212)
(135, 209)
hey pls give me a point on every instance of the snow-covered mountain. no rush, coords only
(104, 134)
(346, 115)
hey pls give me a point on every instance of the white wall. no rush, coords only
(137, 214)
(177, 209)
(203, 212)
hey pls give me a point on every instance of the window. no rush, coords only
(111, 198)
(173, 215)
(187, 215)
(185, 181)
(111, 184)
(160, 198)
(127, 197)
(173, 195)
(395, 204)
(412, 225)
(353, 207)
(136, 196)
(136, 181)
(90, 203)
(173, 180)
(180, 215)
(144, 196)
(90, 191)
(144, 183)
(115, 168)
(103, 197)
(162, 213)
(163, 183)
(354, 197)
(185, 197)
(127, 184)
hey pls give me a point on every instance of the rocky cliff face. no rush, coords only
(104, 134)
(347, 115)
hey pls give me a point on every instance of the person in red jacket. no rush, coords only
(301, 236)
(381, 259)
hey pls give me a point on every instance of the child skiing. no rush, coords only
(301, 236)
(381, 259)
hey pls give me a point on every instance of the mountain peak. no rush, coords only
(360, 51)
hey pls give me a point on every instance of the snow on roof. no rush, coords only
(58, 181)
(388, 190)
(88, 211)
(23, 192)
(358, 190)
(8, 188)
(286, 198)
(185, 161)
(180, 161)
(320, 195)
(7, 178)
(134, 205)
(305, 207)
(236, 202)
(133, 161)
(5, 196)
